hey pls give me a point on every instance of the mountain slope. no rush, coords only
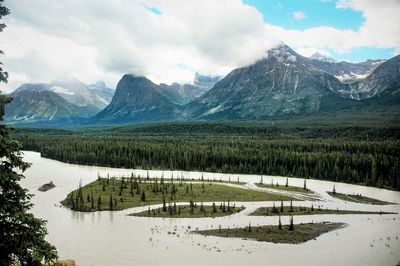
(137, 99)
(181, 94)
(95, 96)
(33, 105)
(285, 83)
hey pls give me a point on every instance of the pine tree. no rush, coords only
(287, 182)
(291, 206)
(99, 203)
(281, 206)
(291, 226)
(249, 227)
(305, 185)
(92, 200)
(164, 208)
(214, 208)
(279, 223)
(191, 207)
(111, 203)
(334, 190)
(143, 197)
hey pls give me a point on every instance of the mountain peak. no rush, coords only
(283, 53)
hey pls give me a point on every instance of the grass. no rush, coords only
(113, 194)
(287, 210)
(187, 211)
(271, 233)
(358, 198)
(282, 187)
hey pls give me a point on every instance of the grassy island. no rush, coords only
(190, 211)
(47, 186)
(358, 198)
(119, 194)
(289, 234)
(299, 210)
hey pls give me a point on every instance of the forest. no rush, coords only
(354, 154)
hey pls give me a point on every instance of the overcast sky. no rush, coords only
(171, 40)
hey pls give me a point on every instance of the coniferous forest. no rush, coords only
(357, 155)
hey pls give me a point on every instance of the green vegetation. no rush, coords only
(193, 210)
(290, 234)
(354, 154)
(47, 186)
(358, 198)
(293, 211)
(22, 236)
(113, 194)
(285, 187)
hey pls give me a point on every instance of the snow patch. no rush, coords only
(58, 89)
(351, 76)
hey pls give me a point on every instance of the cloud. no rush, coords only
(103, 39)
(299, 15)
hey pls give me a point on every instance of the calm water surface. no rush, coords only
(112, 238)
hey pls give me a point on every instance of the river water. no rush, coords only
(113, 238)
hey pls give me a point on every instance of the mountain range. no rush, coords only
(61, 99)
(279, 85)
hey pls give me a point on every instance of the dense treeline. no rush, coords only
(373, 163)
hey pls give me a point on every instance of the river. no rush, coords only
(113, 238)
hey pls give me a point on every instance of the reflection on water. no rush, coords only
(112, 238)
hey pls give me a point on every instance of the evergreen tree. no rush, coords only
(111, 203)
(99, 203)
(279, 223)
(92, 200)
(281, 205)
(22, 236)
(191, 206)
(305, 185)
(334, 190)
(287, 182)
(164, 208)
(143, 197)
(291, 226)
(291, 205)
(214, 208)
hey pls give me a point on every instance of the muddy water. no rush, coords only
(112, 238)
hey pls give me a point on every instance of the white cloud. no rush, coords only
(309, 51)
(299, 15)
(103, 39)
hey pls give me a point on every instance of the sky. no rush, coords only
(168, 41)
